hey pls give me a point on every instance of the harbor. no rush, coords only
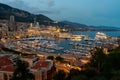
(80, 46)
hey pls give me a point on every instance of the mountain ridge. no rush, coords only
(21, 15)
(79, 25)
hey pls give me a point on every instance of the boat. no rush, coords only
(100, 36)
(76, 38)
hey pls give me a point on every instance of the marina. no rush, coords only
(78, 47)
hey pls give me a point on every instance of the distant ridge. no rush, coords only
(21, 15)
(83, 27)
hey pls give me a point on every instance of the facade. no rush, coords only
(42, 69)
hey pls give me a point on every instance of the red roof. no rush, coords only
(41, 64)
(5, 60)
(9, 68)
(29, 56)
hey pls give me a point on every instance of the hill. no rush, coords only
(84, 27)
(21, 15)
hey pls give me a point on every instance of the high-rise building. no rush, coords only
(12, 26)
(35, 20)
(37, 24)
(12, 19)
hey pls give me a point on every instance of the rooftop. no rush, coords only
(40, 63)
(9, 68)
(29, 56)
(5, 60)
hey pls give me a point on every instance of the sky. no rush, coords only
(89, 12)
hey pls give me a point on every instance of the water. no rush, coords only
(92, 34)
(65, 43)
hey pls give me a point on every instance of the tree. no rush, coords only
(116, 75)
(22, 72)
(60, 75)
(116, 50)
(100, 67)
(97, 60)
(50, 57)
(112, 62)
(73, 73)
(112, 66)
(76, 75)
(59, 58)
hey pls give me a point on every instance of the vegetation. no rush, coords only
(51, 57)
(60, 75)
(10, 50)
(100, 67)
(116, 50)
(59, 58)
(22, 72)
(97, 60)
(75, 75)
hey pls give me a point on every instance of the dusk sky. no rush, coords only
(89, 12)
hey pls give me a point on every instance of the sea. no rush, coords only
(91, 34)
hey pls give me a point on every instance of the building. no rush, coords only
(0, 33)
(6, 68)
(12, 27)
(33, 31)
(42, 69)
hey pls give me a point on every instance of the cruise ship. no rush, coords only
(100, 36)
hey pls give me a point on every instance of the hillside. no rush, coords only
(21, 15)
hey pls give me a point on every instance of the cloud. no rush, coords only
(36, 6)
(16, 4)
(51, 3)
